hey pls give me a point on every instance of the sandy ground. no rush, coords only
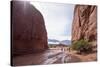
(85, 57)
(47, 57)
(52, 56)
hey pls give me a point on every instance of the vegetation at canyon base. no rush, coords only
(82, 46)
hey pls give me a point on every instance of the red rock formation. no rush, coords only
(28, 29)
(84, 24)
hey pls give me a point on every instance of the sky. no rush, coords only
(58, 19)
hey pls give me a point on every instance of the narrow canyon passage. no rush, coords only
(34, 29)
(30, 40)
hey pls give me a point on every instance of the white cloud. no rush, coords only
(58, 19)
(60, 38)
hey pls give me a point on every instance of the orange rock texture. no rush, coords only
(84, 24)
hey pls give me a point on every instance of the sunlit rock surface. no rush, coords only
(84, 24)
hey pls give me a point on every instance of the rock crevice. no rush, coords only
(84, 24)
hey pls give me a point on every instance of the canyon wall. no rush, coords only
(84, 24)
(29, 34)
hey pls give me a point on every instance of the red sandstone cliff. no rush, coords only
(84, 24)
(28, 29)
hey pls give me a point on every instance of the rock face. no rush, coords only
(28, 29)
(84, 24)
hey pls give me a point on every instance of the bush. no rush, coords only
(82, 46)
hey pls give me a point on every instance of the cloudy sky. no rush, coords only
(58, 19)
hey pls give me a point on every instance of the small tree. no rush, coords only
(82, 46)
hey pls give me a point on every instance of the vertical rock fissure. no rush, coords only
(84, 22)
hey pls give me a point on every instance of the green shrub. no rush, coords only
(82, 46)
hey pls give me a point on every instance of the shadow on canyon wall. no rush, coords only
(28, 29)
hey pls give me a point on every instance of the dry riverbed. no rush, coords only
(52, 56)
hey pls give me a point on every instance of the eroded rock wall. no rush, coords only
(84, 24)
(28, 29)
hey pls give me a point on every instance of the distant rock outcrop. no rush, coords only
(28, 29)
(84, 24)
